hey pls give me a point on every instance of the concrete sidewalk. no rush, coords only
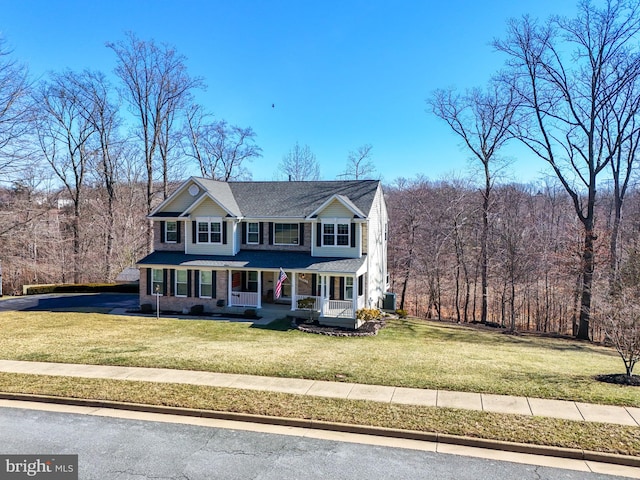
(399, 395)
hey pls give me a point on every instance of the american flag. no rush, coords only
(281, 278)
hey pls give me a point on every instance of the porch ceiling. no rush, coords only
(258, 260)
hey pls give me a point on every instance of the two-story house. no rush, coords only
(224, 244)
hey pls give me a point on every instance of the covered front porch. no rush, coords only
(333, 299)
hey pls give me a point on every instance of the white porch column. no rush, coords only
(323, 287)
(294, 291)
(259, 289)
(354, 295)
(229, 286)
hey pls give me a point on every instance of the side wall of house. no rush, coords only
(377, 251)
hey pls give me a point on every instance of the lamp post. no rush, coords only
(157, 294)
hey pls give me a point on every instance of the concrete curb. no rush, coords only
(548, 451)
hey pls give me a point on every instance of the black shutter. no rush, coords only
(178, 225)
(318, 234)
(244, 281)
(224, 232)
(196, 283)
(361, 285)
(149, 281)
(194, 231)
(244, 232)
(213, 285)
(261, 230)
(301, 235)
(341, 294)
(189, 283)
(332, 288)
(314, 284)
(162, 230)
(172, 284)
(353, 235)
(165, 278)
(270, 233)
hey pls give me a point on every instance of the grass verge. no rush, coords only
(407, 353)
(511, 428)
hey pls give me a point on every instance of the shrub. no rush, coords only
(146, 308)
(250, 313)
(82, 288)
(368, 314)
(197, 309)
(401, 313)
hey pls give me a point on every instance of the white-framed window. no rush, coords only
(209, 230)
(171, 232)
(206, 284)
(157, 281)
(181, 283)
(348, 288)
(253, 233)
(336, 233)
(286, 234)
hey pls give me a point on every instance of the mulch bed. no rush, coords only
(368, 329)
(620, 379)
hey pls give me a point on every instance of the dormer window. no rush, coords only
(336, 233)
(209, 230)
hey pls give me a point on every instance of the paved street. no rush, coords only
(117, 449)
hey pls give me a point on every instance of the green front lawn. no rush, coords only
(511, 428)
(409, 353)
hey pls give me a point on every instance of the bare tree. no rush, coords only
(359, 163)
(155, 83)
(14, 110)
(221, 150)
(300, 164)
(621, 323)
(621, 140)
(569, 71)
(99, 109)
(483, 120)
(63, 132)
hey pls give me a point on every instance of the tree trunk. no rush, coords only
(587, 281)
(484, 267)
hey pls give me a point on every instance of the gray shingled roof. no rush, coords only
(221, 191)
(258, 260)
(299, 199)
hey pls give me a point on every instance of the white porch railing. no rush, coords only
(243, 299)
(317, 302)
(329, 308)
(338, 309)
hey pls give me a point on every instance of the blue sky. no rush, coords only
(340, 73)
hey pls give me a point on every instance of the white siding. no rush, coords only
(207, 248)
(335, 251)
(208, 208)
(335, 210)
(377, 251)
(182, 201)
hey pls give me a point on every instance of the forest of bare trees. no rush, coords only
(84, 159)
(534, 248)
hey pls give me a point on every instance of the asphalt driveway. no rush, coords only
(70, 302)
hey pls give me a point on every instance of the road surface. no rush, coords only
(118, 449)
